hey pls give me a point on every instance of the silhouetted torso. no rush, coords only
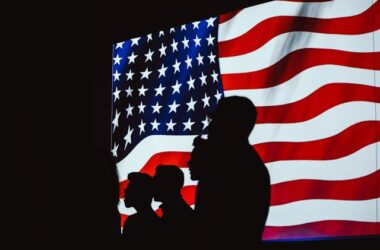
(177, 225)
(233, 193)
(177, 221)
(140, 231)
(232, 206)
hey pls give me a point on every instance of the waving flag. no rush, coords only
(312, 70)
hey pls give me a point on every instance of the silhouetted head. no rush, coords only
(233, 119)
(139, 191)
(168, 181)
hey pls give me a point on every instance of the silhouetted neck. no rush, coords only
(144, 210)
(173, 205)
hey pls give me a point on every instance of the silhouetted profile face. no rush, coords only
(168, 182)
(139, 191)
(233, 118)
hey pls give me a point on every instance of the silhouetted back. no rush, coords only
(140, 230)
(177, 221)
(233, 193)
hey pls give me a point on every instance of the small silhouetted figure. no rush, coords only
(177, 221)
(140, 229)
(233, 193)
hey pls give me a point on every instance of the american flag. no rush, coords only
(312, 70)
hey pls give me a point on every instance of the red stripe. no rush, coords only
(331, 228)
(346, 142)
(316, 103)
(363, 188)
(272, 27)
(299, 61)
(225, 17)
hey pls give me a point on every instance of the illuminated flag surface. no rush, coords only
(312, 70)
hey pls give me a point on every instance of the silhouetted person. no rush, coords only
(177, 221)
(233, 193)
(140, 229)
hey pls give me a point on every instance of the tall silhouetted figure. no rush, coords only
(140, 230)
(233, 193)
(177, 221)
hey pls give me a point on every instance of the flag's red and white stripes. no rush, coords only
(313, 70)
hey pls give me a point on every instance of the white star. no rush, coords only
(197, 41)
(149, 37)
(176, 87)
(185, 43)
(145, 74)
(203, 79)
(142, 126)
(162, 50)
(188, 125)
(205, 122)
(155, 125)
(141, 107)
(210, 21)
(214, 76)
(188, 62)
(161, 33)
(119, 45)
(218, 96)
(174, 45)
(159, 90)
(162, 70)
(199, 59)
(149, 55)
(129, 110)
(132, 58)
(130, 75)
(210, 40)
(191, 105)
(176, 66)
(115, 121)
(128, 137)
(183, 27)
(116, 94)
(116, 75)
(196, 25)
(156, 108)
(135, 41)
(205, 101)
(172, 30)
(142, 90)
(191, 83)
(129, 91)
(117, 59)
(173, 107)
(171, 125)
(114, 149)
(211, 57)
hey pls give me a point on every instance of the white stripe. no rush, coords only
(150, 146)
(359, 164)
(307, 211)
(250, 17)
(283, 44)
(327, 124)
(339, 118)
(305, 83)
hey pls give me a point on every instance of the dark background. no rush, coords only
(56, 96)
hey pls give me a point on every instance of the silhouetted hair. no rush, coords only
(171, 175)
(144, 183)
(233, 115)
